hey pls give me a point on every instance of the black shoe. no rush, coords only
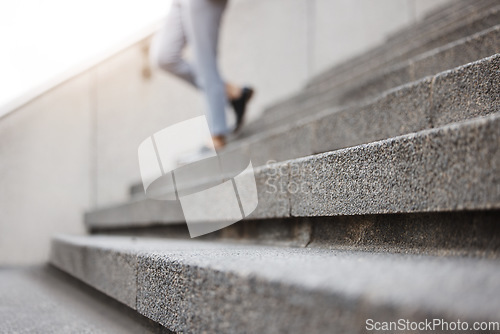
(240, 105)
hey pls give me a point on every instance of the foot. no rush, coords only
(239, 105)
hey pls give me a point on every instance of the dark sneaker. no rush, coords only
(240, 105)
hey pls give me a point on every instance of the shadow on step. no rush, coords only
(466, 233)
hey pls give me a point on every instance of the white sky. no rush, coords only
(42, 39)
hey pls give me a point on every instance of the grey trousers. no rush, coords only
(197, 23)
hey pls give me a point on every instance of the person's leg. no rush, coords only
(201, 20)
(168, 44)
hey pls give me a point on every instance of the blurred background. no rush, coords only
(77, 94)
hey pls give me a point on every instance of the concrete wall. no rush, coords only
(44, 170)
(75, 147)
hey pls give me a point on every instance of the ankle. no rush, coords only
(219, 141)
(232, 91)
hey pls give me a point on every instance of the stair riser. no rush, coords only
(469, 50)
(464, 93)
(194, 287)
(113, 273)
(372, 83)
(454, 12)
(456, 168)
(389, 53)
(422, 30)
(140, 212)
(466, 233)
(445, 169)
(452, 168)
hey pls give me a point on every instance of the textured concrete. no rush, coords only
(42, 299)
(368, 28)
(457, 53)
(465, 23)
(421, 28)
(134, 212)
(445, 14)
(479, 92)
(480, 45)
(129, 108)
(361, 69)
(74, 147)
(341, 91)
(272, 180)
(114, 274)
(460, 233)
(442, 15)
(462, 93)
(474, 23)
(44, 171)
(398, 112)
(272, 145)
(450, 168)
(194, 286)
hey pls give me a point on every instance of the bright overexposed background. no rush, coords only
(41, 40)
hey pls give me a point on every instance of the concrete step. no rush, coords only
(446, 15)
(451, 168)
(452, 12)
(196, 286)
(460, 233)
(42, 299)
(459, 94)
(374, 120)
(370, 84)
(478, 19)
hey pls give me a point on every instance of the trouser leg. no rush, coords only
(168, 44)
(202, 20)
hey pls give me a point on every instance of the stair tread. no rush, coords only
(411, 107)
(452, 168)
(398, 50)
(430, 102)
(212, 285)
(41, 299)
(372, 83)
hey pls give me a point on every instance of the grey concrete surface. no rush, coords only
(479, 93)
(421, 33)
(445, 169)
(129, 109)
(463, 93)
(330, 40)
(476, 22)
(113, 274)
(439, 16)
(74, 147)
(41, 299)
(459, 233)
(353, 88)
(194, 286)
(119, 215)
(451, 55)
(45, 163)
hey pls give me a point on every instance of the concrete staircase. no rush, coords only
(42, 299)
(381, 202)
